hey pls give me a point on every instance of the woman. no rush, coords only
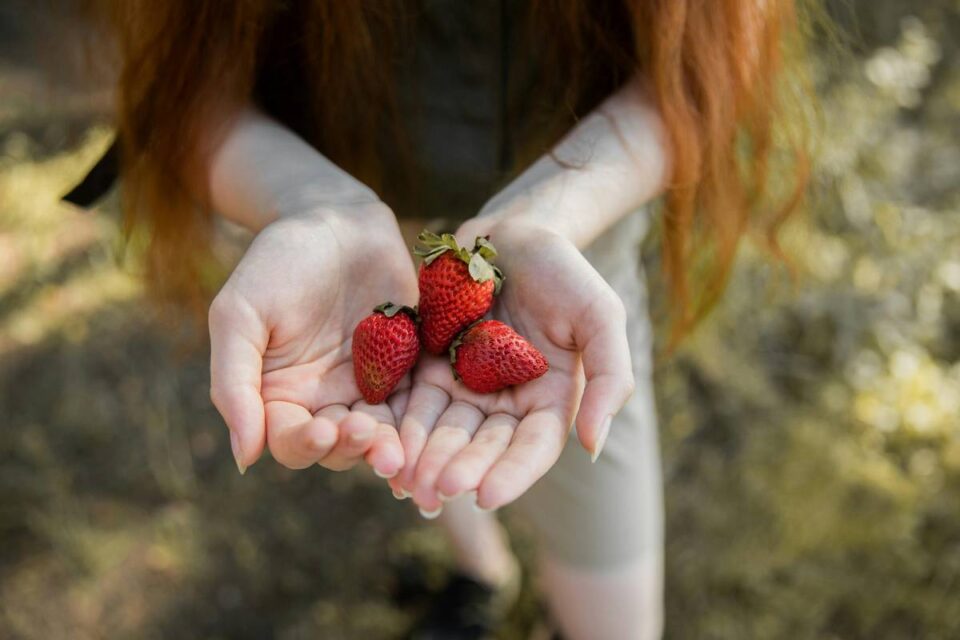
(546, 125)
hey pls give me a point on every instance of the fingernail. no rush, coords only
(602, 439)
(476, 505)
(431, 515)
(401, 494)
(445, 498)
(385, 476)
(237, 453)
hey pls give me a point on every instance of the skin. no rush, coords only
(499, 444)
(281, 326)
(327, 251)
(280, 368)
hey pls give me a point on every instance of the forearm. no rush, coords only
(615, 160)
(262, 170)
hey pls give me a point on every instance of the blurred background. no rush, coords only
(809, 430)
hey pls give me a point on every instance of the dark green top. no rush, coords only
(462, 72)
(453, 102)
(465, 95)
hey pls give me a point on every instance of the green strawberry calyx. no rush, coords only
(457, 342)
(389, 309)
(453, 354)
(453, 349)
(479, 260)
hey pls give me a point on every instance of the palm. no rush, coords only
(312, 316)
(499, 444)
(294, 299)
(544, 327)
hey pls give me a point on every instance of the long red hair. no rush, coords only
(716, 68)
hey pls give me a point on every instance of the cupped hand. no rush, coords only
(281, 330)
(499, 444)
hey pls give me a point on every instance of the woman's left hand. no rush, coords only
(499, 444)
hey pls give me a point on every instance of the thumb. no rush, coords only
(605, 352)
(237, 342)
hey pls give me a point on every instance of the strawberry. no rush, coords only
(456, 287)
(491, 356)
(385, 347)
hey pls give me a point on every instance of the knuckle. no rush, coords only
(616, 309)
(629, 385)
(221, 308)
(428, 399)
(460, 409)
(426, 473)
(217, 397)
(316, 445)
(230, 308)
(453, 475)
(486, 438)
(608, 310)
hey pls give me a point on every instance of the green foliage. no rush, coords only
(811, 435)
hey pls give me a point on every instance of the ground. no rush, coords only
(809, 429)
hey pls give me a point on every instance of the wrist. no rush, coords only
(361, 211)
(508, 232)
(565, 218)
(371, 220)
(306, 200)
(263, 172)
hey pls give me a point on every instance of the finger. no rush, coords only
(424, 407)
(356, 433)
(398, 404)
(465, 471)
(297, 439)
(385, 454)
(381, 412)
(605, 353)
(454, 430)
(536, 445)
(237, 341)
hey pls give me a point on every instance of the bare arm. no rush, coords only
(326, 252)
(263, 170)
(610, 164)
(615, 160)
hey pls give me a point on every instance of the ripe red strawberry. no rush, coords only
(456, 287)
(385, 347)
(491, 356)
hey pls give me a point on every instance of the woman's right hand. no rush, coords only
(281, 330)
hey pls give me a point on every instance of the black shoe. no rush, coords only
(463, 610)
